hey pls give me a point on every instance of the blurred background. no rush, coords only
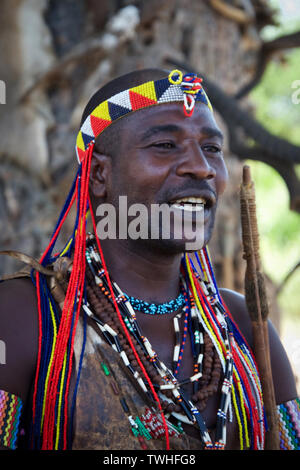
(56, 53)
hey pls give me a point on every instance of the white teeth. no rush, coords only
(189, 203)
(188, 207)
(190, 200)
(194, 200)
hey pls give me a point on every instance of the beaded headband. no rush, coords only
(173, 88)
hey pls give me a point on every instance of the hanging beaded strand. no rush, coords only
(247, 389)
(187, 406)
(190, 412)
(189, 409)
(133, 325)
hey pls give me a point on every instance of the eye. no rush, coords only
(212, 148)
(164, 145)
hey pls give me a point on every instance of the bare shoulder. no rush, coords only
(283, 377)
(18, 335)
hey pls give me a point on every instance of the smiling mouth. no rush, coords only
(191, 204)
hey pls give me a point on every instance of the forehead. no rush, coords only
(139, 124)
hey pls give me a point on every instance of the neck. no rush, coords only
(150, 276)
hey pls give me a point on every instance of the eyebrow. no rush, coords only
(206, 130)
(159, 129)
(212, 132)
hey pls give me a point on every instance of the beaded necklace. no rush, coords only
(156, 309)
(190, 414)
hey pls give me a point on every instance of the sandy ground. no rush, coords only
(290, 337)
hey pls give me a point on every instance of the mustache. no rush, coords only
(189, 186)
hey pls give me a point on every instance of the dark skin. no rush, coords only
(158, 167)
(184, 160)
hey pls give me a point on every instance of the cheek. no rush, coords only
(221, 178)
(132, 180)
(142, 176)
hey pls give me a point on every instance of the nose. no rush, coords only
(193, 163)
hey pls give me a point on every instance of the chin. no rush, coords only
(172, 247)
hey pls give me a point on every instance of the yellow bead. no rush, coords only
(178, 80)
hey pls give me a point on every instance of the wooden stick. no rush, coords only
(257, 304)
(60, 266)
(29, 261)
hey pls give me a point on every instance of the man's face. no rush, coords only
(168, 158)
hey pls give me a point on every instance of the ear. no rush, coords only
(99, 175)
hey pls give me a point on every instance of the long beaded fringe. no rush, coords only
(223, 338)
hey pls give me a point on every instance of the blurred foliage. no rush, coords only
(279, 227)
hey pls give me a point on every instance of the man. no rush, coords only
(133, 346)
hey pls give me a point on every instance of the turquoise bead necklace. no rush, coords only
(157, 309)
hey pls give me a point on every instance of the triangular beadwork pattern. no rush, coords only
(160, 87)
(98, 124)
(147, 90)
(122, 99)
(173, 93)
(86, 139)
(140, 101)
(102, 111)
(117, 111)
(87, 128)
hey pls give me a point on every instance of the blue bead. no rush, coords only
(160, 309)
